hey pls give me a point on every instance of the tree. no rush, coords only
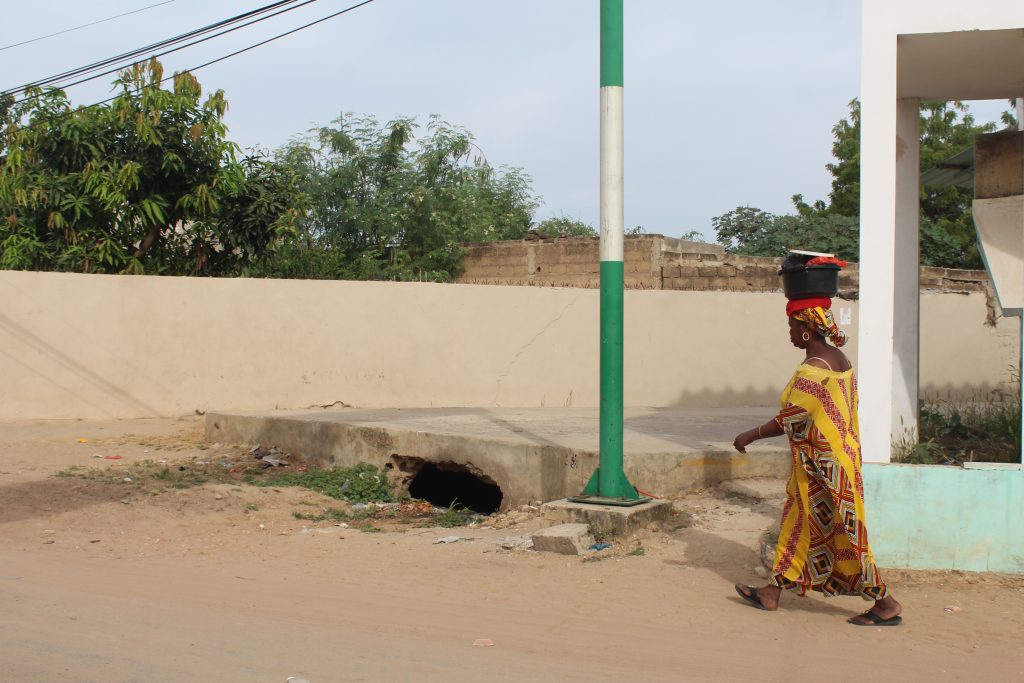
(947, 230)
(753, 232)
(146, 184)
(385, 204)
(563, 226)
(947, 128)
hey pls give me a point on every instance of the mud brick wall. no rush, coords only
(718, 271)
(658, 262)
(568, 262)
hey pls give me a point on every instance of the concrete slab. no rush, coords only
(530, 453)
(612, 520)
(758, 489)
(565, 539)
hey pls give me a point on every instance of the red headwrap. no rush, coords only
(796, 305)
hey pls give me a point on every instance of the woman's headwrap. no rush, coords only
(817, 312)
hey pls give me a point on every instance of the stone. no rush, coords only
(565, 539)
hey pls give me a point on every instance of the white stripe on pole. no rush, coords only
(611, 174)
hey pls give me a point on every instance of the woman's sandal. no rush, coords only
(875, 620)
(749, 594)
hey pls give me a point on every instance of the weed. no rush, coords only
(907, 450)
(164, 474)
(636, 552)
(329, 514)
(368, 528)
(986, 427)
(252, 507)
(363, 483)
(177, 479)
(455, 515)
(601, 534)
(73, 471)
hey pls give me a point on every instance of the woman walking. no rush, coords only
(823, 541)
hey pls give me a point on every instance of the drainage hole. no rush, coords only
(454, 484)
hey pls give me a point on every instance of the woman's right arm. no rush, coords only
(767, 430)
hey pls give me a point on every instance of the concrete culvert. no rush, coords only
(444, 484)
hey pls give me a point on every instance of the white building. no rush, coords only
(912, 50)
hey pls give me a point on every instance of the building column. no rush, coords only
(906, 341)
(888, 336)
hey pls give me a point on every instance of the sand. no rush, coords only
(106, 580)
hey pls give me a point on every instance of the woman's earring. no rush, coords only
(805, 337)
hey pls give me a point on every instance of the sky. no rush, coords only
(727, 104)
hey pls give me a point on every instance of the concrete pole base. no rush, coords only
(610, 520)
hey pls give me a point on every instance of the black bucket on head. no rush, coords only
(800, 281)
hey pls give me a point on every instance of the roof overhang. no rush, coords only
(961, 65)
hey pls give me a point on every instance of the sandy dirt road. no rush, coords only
(104, 580)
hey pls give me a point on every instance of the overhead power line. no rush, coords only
(255, 45)
(128, 59)
(92, 23)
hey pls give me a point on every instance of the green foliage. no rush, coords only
(363, 483)
(753, 232)
(845, 196)
(146, 184)
(563, 226)
(455, 515)
(985, 429)
(388, 205)
(947, 231)
(139, 474)
(329, 515)
(919, 452)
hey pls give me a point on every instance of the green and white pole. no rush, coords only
(609, 482)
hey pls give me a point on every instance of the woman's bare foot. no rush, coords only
(765, 597)
(885, 612)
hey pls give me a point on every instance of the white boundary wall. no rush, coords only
(101, 346)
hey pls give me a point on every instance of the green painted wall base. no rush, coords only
(936, 517)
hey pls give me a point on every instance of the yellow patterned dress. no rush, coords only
(823, 541)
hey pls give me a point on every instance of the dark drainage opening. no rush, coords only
(447, 484)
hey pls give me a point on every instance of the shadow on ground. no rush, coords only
(56, 495)
(730, 559)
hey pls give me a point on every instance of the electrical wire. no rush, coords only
(76, 28)
(55, 80)
(246, 49)
(281, 7)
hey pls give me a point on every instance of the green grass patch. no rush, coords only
(455, 515)
(178, 479)
(363, 483)
(73, 471)
(328, 515)
(137, 474)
